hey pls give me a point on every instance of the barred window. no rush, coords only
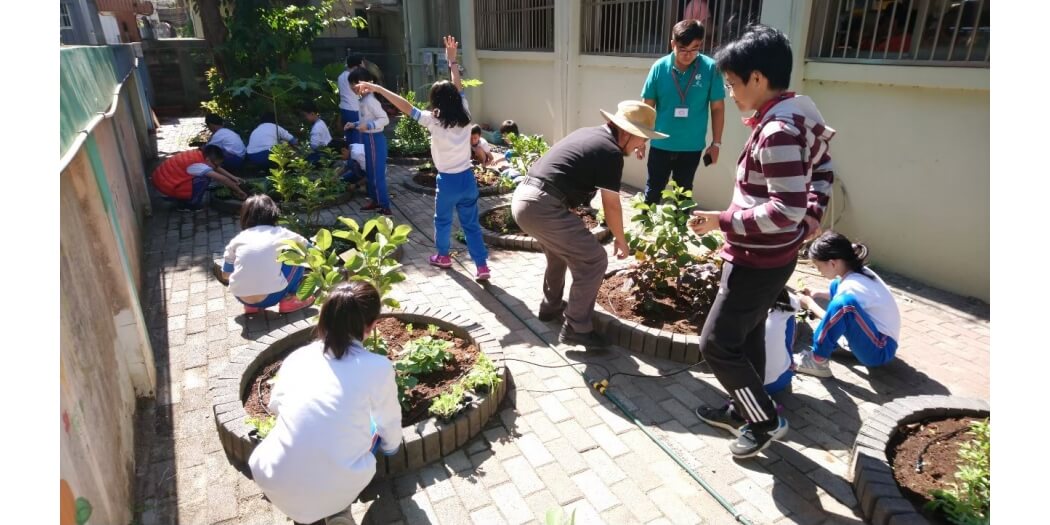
(643, 27)
(67, 21)
(901, 32)
(514, 25)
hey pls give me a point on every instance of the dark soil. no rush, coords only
(393, 330)
(667, 313)
(500, 220)
(429, 179)
(940, 461)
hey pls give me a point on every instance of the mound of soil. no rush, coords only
(395, 333)
(500, 220)
(666, 313)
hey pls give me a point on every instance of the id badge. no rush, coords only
(681, 112)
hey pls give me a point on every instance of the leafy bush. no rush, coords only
(424, 355)
(483, 377)
(369, 261)
(526, 150)
(662, 247)
(448, 404)
(262, 425)
(410, 137)
(968, 502)
(376, 344)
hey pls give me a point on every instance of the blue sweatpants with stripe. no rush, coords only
(352, 136)
(846, 317)
(375, 168)
(459, 192)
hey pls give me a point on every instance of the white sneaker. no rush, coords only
(342, 518)
(807, 364)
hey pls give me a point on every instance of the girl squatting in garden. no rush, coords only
(335, 404)
(861, 308)
(373, 120)
(257, 280)
(449, 125)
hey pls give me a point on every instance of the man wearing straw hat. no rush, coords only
(587, 160)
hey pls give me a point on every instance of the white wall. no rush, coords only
(911, 154)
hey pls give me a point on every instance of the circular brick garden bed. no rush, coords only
(880, 497)
(483, 191)
(526, 242)
(424, 442)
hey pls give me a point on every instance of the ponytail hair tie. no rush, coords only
(860, 251)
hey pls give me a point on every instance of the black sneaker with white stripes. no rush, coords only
(756, 437)
(724, 417)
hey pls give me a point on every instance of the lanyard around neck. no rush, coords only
(688, 80)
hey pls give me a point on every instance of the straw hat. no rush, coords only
(636, 118)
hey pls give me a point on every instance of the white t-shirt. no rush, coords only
(266, 136)
(319, 135)
(778, 348)
(252, 257)
(318, 458)
(875, 298)
(450, 147)
(229, 141)
(199, 169)
(347, 98)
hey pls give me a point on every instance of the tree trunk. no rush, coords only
(214, 31)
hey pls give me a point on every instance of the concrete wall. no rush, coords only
(105, 354)
(911, 155)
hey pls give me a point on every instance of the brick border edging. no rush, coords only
(487, 191)
(526, 242)
(233, 206)
(878, 493)
(423, 443)
(646, 340)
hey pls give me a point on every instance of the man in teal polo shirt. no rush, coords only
(682, 87)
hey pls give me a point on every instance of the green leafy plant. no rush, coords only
(526, 150)
(483, 377)
(448, 404)
(460, 236)
(424, 355)
(262, 425)
(968, 501)
(663, 241)
(405, 383)
(410, 137)
(432, 329)
(376, 344)
(369, 260)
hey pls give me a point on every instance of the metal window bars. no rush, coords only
(901, 32)
(642, 28)
(514, 25)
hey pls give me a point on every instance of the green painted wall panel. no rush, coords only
(87, 84)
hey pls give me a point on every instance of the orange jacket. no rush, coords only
(171, 177)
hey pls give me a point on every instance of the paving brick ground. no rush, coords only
(555, 442)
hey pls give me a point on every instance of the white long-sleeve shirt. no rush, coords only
(266, 135)
(319, 135)
(372, 114)
(318, 458)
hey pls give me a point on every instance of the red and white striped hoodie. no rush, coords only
(783, 174)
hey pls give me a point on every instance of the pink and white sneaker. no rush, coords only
(291, 303)
(441, 261)
(483, 273)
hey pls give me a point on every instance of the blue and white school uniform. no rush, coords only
(863, 310)
(251, 260)
(375, 119)
(233, 149)
(349, 107)
(264, 137)
(780, 338)
(330, 414)
(456, 186)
